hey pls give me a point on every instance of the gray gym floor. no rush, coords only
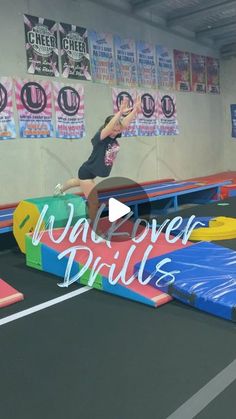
(100, 356)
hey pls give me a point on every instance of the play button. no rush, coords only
(122, 202)
(116, 210)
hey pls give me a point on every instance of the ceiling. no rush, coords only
(208, 22)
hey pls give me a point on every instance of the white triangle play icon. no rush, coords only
(116, 210)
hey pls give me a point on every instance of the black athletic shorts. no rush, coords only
(84, 173)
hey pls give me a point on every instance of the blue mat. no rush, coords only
(206, 278)
(204, 220)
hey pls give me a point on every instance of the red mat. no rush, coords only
(8, 294)
(217, 177)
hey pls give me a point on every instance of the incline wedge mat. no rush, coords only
(206, 278)
(27, 213)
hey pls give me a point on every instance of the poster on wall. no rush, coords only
(165, 68)
(148, 118)
(74, 52)
(198, 79)
(182, 71)
(146, 63)
(102, 57)
(233, 120)
(213, 75)
(126, 63)
(167, 115)
(41, 46)
(7, 123)
(34, 106)
(118, 95)
(69, 109)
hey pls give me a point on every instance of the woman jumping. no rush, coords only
(100, 162)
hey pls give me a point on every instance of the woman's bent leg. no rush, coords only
(89, 189)
(71, 183)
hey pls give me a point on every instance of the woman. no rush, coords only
(100, 162)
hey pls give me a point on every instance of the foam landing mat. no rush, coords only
(206, 279)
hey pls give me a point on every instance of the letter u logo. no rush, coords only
(148, 105)
(168, 106)
(33, 97)
(68, 101)
(3, 97)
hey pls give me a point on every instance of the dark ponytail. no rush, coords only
(107, 120)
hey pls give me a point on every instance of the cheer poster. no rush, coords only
(74, 54)
(41, 46)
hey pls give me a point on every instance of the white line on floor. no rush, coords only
(206, 394)
(42, 306)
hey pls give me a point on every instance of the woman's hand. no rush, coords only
(124, 108)
(138, 104)
(133, 112)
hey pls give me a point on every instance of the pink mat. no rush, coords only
(8, 294)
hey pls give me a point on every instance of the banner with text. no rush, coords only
(146, 63)
(7, 122)
(126, 63)
(69, 108)
(165, 68)
(198, 79)
(182, 71)
(34, 106)
(102, 57)
(75, 59)
(233, 120)
(213, 75)
(41, 46)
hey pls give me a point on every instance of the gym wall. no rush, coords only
(32, 167)
(228, 88)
